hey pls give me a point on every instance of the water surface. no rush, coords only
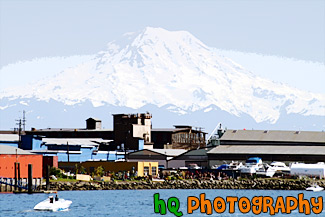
(135, 203)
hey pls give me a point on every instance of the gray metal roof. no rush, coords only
(274, 136)
(268, 149)
(74, 141)
(9, 138)
(169, 152)
(198, 152)
(55, 152)
(166, 152)
(6, 149)
(202, 152)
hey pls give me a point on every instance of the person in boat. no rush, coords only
(51, 199)
(56, 197)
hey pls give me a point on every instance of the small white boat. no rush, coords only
(50, 204)
(252, 165)
(235, 165)
(314, 188)
(275, 167)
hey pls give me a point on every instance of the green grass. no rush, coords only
(63, 180)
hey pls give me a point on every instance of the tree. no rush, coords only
(99, 171)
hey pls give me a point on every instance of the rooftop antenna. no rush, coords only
(19, 132)
(21, 123)
(24, 120)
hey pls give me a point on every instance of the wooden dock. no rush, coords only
(19, 185)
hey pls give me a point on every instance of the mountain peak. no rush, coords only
(160, 67)
(154, 30)
(152, 34)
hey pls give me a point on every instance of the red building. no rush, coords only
(51, 161)
(10, 155)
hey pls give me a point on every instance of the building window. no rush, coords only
(154, 171)
(146, 171)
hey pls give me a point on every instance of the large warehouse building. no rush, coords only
(285, 146)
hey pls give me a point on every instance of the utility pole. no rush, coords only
(24, 120)
(21, 123)
(19, 132)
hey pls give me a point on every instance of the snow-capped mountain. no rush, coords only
(169, 70)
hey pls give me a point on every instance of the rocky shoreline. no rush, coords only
(262, 184)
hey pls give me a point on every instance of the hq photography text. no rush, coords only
(256, 205)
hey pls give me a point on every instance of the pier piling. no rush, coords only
(30, 178)
(47, 177)
(16, 177)
(19, 179)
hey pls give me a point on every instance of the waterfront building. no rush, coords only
(74, 149)
(270, 145)
(71, 144)
(139, 168)
(10, 155)
(132, 131)
(10, 138)
(92, 130)
(180, 137)
(162, 156)
(197, 157)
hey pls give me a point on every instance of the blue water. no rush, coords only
(135, 203)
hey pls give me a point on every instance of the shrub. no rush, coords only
(56, 172)
(99, 171)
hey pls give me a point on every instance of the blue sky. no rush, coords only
(36, 28)
(292, 29)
